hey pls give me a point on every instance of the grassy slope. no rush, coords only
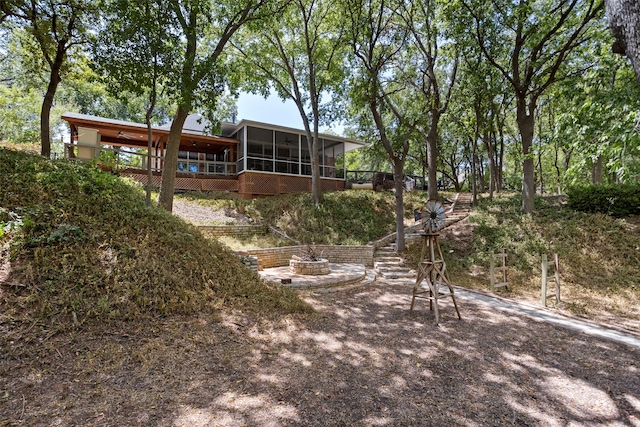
(83, 245)
(353, 217)
(599, 255)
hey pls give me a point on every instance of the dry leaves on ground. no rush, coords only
(361, 360)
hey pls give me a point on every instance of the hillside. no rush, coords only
(599, 256)
(80, 244)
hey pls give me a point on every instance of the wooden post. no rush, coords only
(545, 278)
(545, 265)
(503, 268)
(556, 267)
(492, 274)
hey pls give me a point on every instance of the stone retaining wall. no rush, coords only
(279, 257)
(241, 231)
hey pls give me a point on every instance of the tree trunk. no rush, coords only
(398, 161)
(480, 169)
(540, 168)
(170, 164)
(149, 152)
(47, 103)
(147, 117)
(432, 154)
(500, 157)
(454, 173)
(489, 148)
(596, 171)
(500, 179)
(624, 22)
(557, 167)
(526, 123)
(567, 159)
(474, 175)
(398, 167)
(316, 193)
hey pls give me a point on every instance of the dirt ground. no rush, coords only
(198, 214)
(361, 360)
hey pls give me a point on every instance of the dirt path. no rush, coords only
(362, 360)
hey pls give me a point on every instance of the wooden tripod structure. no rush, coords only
(432, 269)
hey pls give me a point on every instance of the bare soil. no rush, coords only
(361, 360)
(195, 213)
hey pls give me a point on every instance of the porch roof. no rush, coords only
(131, 134)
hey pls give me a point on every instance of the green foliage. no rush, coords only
(595, 117)
(19, 114)
(501, 224)
(615, 200)
(83, 244)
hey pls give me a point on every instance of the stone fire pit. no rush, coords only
(310, 268)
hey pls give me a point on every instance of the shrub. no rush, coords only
(615, 200)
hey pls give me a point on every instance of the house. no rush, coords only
(250, 158)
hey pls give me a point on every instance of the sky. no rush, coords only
(273, 111)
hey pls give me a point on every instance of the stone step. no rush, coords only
(392, 269)
(395, 259)
(390, 266)
(399, 275)
(386, 256)
(404, 281)
(369, 278)
(387, 250)
(388, 263)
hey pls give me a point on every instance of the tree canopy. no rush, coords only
(474, 94)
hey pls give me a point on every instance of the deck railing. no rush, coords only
(126, 158)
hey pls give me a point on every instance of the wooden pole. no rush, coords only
(492, 273)
(556, 266)
(545, 265)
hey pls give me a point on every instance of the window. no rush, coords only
(259, 143)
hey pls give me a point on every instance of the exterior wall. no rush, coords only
(270, 184)
(247, 184)
(279, 257)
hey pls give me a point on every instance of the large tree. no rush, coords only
(135, 56)
(624, 21)
(430, 65)
(301, 53)
(530, 43)
(377, 41)
(58, 26)
(204, 29)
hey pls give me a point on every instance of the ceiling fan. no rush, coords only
(123, 135)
